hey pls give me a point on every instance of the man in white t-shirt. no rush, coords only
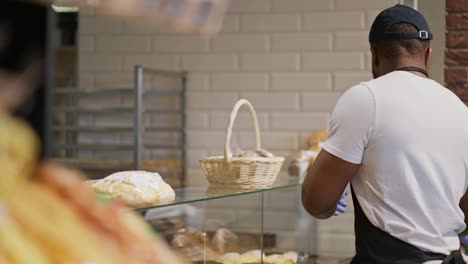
(401, 140)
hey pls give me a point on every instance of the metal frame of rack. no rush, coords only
(66, 146)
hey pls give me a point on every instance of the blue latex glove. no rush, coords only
(342, 204)
(464, 241)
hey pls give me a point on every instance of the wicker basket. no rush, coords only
(242, 172)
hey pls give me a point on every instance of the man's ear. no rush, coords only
(427, 56)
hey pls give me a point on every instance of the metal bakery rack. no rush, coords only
(103, 130)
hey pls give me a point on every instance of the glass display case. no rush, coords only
(233, 226)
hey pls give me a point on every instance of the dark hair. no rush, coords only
(401, 47)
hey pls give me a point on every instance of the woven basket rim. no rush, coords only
(249, 159)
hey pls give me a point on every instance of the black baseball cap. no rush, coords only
(395, 15)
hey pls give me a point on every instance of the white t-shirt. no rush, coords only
(410, 135)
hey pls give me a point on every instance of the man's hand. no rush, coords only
(342, 204)
(464, 241)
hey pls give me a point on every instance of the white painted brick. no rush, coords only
(86, 43)
(93, 138)
(285, 199)
(153, 102)
(180, 44)
(248, 219)
(138, 27)
(113, 154)
(193, 157)
(213, 218)
(206, 139)
(161, 62)
(293, 240)
(270, 62)
(301, 82)
(135, 25)
(114, 80)
(270, 140)
(163, 154)
(368, 60)
(197, 120)
(364, 4)
(273, 101)
(301, 5)
(198, 82)
(211, 100)
(240, 42)
(86, 80)
(195, 178)
(163, 120)
(220, 120)
(100, 63)
(131, 44)
(209, 62)
(370, 17)
(333, 61)
(161, 103)
(162, 83)
(319, 102)
(114, 120)
(271, 23)
(328, 21)
(165, 138)
(299, 121)
(85, 120)
(239, 82)
(249, 6)
(242, 202)
(345, 80)
(85, 154)
(279, 220)
(231, 24)
(100, 24)
(301, 41)
(351, 41)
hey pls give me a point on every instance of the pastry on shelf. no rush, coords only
(230, 258)
(224, 240)
(250, 257)
(194, 245)
(303, 159)
(135, 188)
(300, 162)
(254, 257)
(262, 153)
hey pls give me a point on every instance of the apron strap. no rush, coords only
(454, 258)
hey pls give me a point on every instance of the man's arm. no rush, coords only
(325, 183)
(464, 208)
(351, 126)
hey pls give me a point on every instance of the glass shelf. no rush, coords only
(204, 193)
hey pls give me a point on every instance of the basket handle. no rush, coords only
(253, 114)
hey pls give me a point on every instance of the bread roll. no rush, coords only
(136, 188)
(224, 240)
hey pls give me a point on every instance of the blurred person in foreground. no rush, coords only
(401, 140)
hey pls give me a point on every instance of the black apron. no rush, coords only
(375, 246)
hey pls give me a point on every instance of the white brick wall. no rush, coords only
(291, 58)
